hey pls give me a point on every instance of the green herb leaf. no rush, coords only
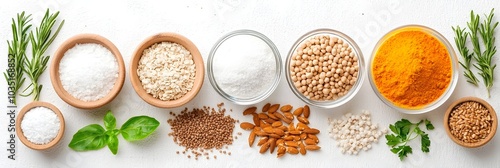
(394, 129)
(404, 127)
(426, 142)
(109, 121)
(137, 128)
(418, 131)
(113, 144)
(428, 125)
(91, 137)
(392, 140)
(402, 151)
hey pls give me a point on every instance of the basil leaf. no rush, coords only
(113, 144)
(139, 127)
(90, 137)
(109, 121)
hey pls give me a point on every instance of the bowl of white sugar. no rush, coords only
(244, 66)
(167, 70)
(87, 71)
(40, 125)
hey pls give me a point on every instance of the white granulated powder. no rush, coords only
(244, 66)
(88, 71)
(40, 125)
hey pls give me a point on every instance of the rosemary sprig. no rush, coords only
(460, 41)
(487, 32)
(17, 50)
(40, 42)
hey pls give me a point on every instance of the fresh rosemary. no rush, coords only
(17, 50)
(40, 42)
(460, 42)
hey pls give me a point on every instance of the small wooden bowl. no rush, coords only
(198, 61)
(485, 104)
(20, 133)
(56, 81)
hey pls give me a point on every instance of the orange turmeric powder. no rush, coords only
(412, 69)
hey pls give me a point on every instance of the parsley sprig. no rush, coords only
(404, 131)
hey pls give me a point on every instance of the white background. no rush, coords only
(127, 23)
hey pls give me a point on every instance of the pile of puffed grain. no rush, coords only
(201, 131)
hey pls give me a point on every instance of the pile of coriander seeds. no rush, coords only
(324, 68)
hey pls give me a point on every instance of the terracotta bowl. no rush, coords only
(483, 141)
(56, 81)
(198, 61)
(28, 143)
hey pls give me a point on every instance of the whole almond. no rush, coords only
(312, 147)
(292, 150)
(272, 116)
(303, 120)
(288, 138)
(296, 138)
(286, 108)
(264, 147)
(302, 149)
(274, 108)
(263, 116)
(274, 135)
(310, 141)
(291, 127)
(301, 126)
(256, 120)
(266, 107)
(284, 128)
(291, 143)
(279, 132)
(277, 124)
(313, 137)
(269, 130)
(247, 126)
(307, 111)
(288, 115)
(264, 124)
(311, 131)
(303, 136)
(262, 140)
(294, 132)
(249, 110)
(269, 120)
(260, 133)
(272, 144)
(298, 111)
(280, 142)
(251, 138)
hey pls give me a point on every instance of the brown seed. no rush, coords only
(262, 140)
(292, 150)
(264, 147)
(280, 142)
(251, 138)
(256, 120)
(303, 120)
(266, 107)
(272, 116)
(260, 133)
(264, 124)
(307, 111)
(286, 108)
(249, 110)
(288, 138)
(277, 124)
(279, 132)
(294, 132)
(269, 130)
(313, 137)
(247, 126)
(302, 148)
(281, 151)
(296, 138)
(274, 136)
(312, 147)
(310, 141)
(311, 131)
(291, 127)
(288, 115)
(284, 128)
(263, 116)
(301, 126)
(274, 108)
(291, 143)
(269, 121)
(303, 136)
(298, 111)
(272, 144)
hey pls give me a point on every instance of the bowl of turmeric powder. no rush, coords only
(413, 69)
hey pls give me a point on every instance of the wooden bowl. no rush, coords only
(483, 141)
(20, 133)
(56, 81)
(198, 61)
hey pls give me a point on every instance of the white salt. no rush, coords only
(40, 125)
(244, 66)
(88, 71)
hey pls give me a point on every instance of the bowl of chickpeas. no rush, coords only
(325, 68)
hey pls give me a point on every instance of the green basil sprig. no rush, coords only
(94, 136)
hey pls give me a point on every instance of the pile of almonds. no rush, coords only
(270, 126)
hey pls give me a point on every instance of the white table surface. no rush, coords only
(127, 23)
